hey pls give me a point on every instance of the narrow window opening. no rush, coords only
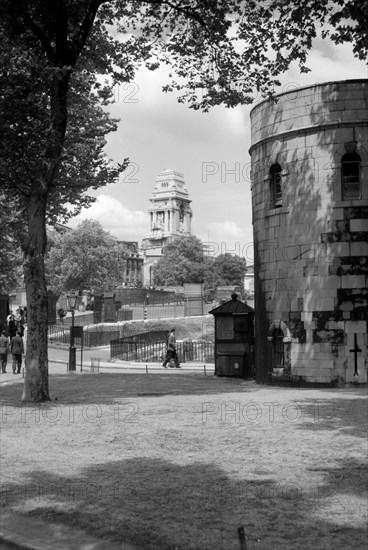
(275, 186)
(350, 177)
(278, 343)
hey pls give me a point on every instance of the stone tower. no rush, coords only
(170, 215)
(310, 222)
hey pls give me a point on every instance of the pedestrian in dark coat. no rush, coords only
(12, 327)
(171, 350)
(4, 350)
(17, 350)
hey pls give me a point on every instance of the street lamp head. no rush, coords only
(72, 301)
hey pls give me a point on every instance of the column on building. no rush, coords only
(134, 266)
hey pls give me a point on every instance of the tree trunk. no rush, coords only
(36, 378)
(62, 55)
(36, 387)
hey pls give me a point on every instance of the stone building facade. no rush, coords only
(170, 215)
(132, 264)
(310, 220)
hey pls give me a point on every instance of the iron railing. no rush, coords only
(144, 346)
(168, 311)
(92, 336)
(152, 347)
(60, 334)
(196, 352)
(135, 351)
(129, 347)
(80, 320)
(156, 311)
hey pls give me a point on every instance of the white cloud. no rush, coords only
(116, 218)
(329, 62)
(228, 237)
(225, 230)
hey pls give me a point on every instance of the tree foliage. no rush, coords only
(221, 52)
(10, 252)
(83, 259)
(25, 121)
(183, 261)
(46, 163)
(226, 270)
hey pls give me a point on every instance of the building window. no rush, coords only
(350, 177)
(242, 332)
(181, 217)
(275, 186)
(181, 212)
(278, 348)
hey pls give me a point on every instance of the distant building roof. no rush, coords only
(58, 227)
(232, 306)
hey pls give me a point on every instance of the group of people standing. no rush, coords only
(11, 341)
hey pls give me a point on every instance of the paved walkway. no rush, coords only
(25, 533)
(59, 357)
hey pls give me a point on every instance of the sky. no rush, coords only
(209, 149)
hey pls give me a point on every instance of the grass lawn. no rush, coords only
(198, 327)
(179, 462)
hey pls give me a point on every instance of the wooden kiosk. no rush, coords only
(234, 338)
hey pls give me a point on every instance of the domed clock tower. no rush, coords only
(170, 215)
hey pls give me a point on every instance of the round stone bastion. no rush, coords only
(309, 156)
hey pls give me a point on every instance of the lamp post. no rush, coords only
(72, 303)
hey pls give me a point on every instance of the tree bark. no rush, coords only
(62, 58)
(36, 388)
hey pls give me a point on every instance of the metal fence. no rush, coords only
(132, 347)
(80, 320)
(135, 351)
(144, 346)
(152, 347)
(92, 336)
(60, 334)
(156, 311)
(168, 311)
(137, 312)
(196, 352)
(194, 306)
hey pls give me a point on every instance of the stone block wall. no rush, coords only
(311, 251)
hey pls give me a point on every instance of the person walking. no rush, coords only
(17, 350)
(62, 314)
(171, 350)
(12, 327)
(4, 350)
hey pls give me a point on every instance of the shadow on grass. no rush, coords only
(342, 410)
(107, 388)
(158, 505)
(347, 415)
